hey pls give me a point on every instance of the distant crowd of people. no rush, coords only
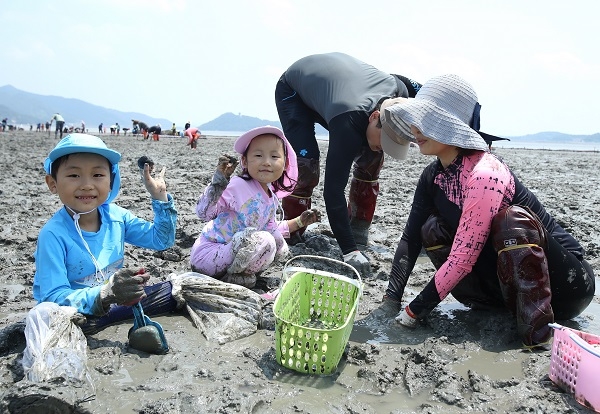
(138, 127)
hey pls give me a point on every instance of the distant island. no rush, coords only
(239, 122)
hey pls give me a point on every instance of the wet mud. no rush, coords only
(458, 360)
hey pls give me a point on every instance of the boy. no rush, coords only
(80, 251)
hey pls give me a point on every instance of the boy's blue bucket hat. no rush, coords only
(77, 143)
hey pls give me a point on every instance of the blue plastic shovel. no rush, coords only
(147, 335)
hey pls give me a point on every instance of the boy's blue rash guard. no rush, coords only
(65, 272)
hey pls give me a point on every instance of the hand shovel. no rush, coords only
(146, 335)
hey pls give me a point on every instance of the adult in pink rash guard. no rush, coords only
(491, 240)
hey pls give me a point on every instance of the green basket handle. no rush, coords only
(287, 269)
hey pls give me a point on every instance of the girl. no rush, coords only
(491, 240)
(242, 236)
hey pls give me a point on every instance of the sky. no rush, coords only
(534, 64)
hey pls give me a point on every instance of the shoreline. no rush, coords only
(593, 147)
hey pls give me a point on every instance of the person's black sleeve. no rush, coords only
(411, 244)
(347, 135)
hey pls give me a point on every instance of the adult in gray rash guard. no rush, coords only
(344, 95)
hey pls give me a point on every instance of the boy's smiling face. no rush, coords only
(82, 181)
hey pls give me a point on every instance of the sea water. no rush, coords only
(568, 146)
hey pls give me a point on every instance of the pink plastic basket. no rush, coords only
(575, 364)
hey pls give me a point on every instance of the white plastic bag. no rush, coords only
(223, 312)
(56, 347)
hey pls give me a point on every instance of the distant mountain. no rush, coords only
(28, 108)
(239, 123)
(233, 122)
(556, 137)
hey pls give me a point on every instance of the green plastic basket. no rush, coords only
(314, 315)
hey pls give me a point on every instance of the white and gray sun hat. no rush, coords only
(445, 109)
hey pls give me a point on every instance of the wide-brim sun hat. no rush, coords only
(445, 109)
(78, 143)
(393, 141)
(241, 145)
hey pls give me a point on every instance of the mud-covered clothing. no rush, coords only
(65, 272)
(339, 92)
(230, 209)
(467, 195)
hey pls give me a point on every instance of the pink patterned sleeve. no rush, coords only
(484, 187)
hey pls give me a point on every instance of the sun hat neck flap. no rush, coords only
(241, 145)
(78, 143)
(443, 110)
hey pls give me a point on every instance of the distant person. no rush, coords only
(344, 95)
(80, 251)
(193, 135)
(141, 126)
(38, 127)
(101, 128)
(173, 129)
(82, 126)
(48, 125)
(241, 236)
(155, 131)
(491, 240)
(60, 123)
(118, 128)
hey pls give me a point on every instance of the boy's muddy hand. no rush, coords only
(125, 287)
(227, 165)
(156, 185)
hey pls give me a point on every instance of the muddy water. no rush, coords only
(245, 372)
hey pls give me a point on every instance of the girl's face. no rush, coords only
(265, 159)
(82, 181)
(427, 146)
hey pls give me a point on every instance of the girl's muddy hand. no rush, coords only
(227, 165)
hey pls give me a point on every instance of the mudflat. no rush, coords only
(459, 360)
